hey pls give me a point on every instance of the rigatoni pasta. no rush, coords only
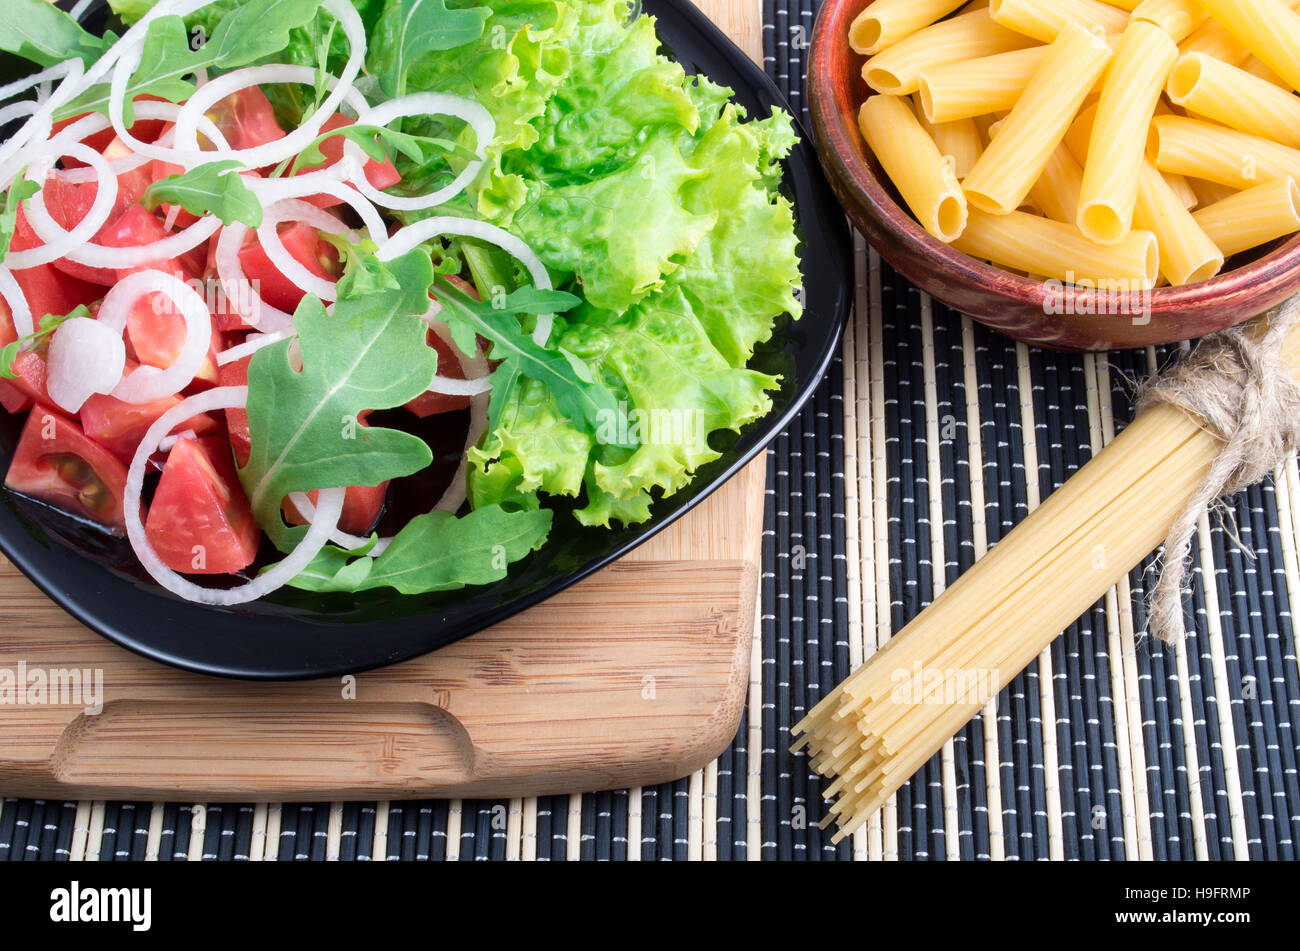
(1268, 28)
(1201, 149)
(1178, 18)
(1033, 129)
(1212, 89)
(884, 22)
(1122, 144)
(1044, 19)
(897, 70)
(1143, 59)
(915, 165)
(1252, 217)
(975, 87)
(1187, 253)
(1057, 250)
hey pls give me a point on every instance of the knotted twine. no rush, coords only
(1237, 385)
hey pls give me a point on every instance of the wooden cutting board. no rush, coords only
(635, 676)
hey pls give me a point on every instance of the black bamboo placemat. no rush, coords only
(928, 441)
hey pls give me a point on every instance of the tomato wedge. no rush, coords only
(119, 426)
(154, 328)
(380, 175)
(56, 463)
(235, 373)
(146, 130)
(305, 245)
(429, 404)
(245, 118)
(199, 520)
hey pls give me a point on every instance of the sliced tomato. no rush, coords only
(362, 505)
(119, 426)
(146, 130)
(429, 404)
(380, 175)
(138, 226)
(158, 170)
(49, 291)
(55, 462)
(246, 119)
(235, 373)
(156, 333)
(68, 203)
(305, 245)
(199, 520)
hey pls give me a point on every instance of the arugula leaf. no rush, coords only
(410, 29)
(20, 189)
(46, 326)
(256, 29)
(418, 148)
(363, 273)
(586, 401)
(435, 552)
(208, 188)
(42, 33)
(370, 353)
(165, 61)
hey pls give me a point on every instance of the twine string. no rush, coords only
(1237, 385)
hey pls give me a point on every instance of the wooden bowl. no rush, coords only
(1022, 308)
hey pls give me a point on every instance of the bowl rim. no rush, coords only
(1266, 274)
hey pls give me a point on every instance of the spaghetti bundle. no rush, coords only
(878, 727)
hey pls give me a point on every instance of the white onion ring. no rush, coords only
(329, 510)
(144, 109)
(20, 312)
(57, 71)
(328, 181)
(60, 243)
(250, 346)
(173, 246)
(85, 357)
(292, 209)
(147, 383)
(240, 290)
(423, 103)
(41, 123)
(220, 87)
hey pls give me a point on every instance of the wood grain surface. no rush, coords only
(633, 677)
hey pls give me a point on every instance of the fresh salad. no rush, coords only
(340, 295)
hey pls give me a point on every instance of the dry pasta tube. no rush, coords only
(1058, 250)
(958, 142)
(1044, 19)
(1056, 192)
(1233, 97)
(1209, 193)
(885, 22)
(1178, 18)
(1033, 129)
(1187, 253)
(1203, 150)
(1253, 217)
(1143, 59)
(914, 164)
(1268, 28)
(977, 87)
(898, 69)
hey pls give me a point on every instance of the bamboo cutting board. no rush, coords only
(633, 677)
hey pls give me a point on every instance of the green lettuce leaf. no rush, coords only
(409, 30)
(210, 188)
(43, 34)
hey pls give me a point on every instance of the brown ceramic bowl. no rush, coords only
(1015, 305)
